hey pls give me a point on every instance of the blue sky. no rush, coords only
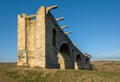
(95, 25)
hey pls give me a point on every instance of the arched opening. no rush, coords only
(64, 57)
(78, 62)
(54, 37)
(87, 60)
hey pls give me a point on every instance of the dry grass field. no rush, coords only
(105, 71)
(107, 66)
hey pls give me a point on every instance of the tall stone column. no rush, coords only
(21, 41)
(40, 38)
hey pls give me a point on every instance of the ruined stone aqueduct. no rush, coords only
(43, 43)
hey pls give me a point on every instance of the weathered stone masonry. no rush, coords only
(43, 43)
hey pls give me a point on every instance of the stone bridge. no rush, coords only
(43, 43)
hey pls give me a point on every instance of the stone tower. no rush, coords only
(43, 43)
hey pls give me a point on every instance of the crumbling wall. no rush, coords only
(43, 43)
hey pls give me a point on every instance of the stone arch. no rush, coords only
(60, 44)
(64, 57)
(78, 61)
(87, 60)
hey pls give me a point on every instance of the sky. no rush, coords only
(95, 25)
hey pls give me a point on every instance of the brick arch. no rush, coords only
(64, 57)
